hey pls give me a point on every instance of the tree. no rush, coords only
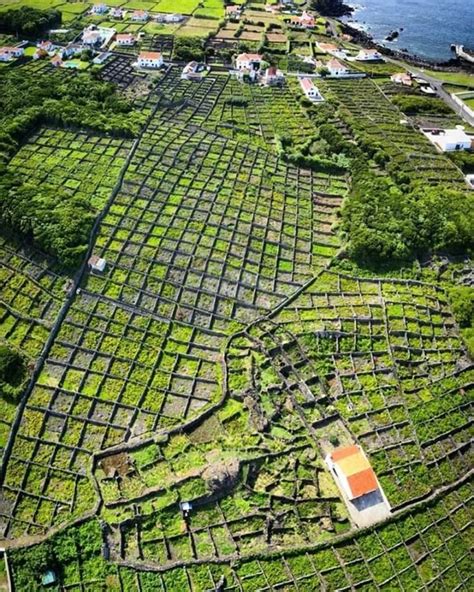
(30, 22)
(12, 372)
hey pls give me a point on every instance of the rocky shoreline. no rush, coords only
(366, 40)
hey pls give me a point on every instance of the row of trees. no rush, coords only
(29, 22)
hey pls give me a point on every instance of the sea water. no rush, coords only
(429, 26)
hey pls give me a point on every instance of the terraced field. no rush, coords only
(220, 357)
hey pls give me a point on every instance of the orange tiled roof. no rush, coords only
(362, 482)
(150, 55)
(344, 452)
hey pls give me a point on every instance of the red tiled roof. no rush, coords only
(336, 65)
(307, 83)
(344, 451)
(362, 482)
(249, 57)
(149, 55)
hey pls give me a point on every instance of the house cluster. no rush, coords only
(250, 66)
(141, 16)
(8, 53)
(137, 16)
(450, 140)
(311, 91)
(304, 21)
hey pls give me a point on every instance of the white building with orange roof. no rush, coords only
(359, 485)
(149, 59)
(369, 55)
(336, 68)
(310, 90)
(332, 49)
(125, 39)
(248, 61)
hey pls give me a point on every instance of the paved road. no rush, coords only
(437, 85)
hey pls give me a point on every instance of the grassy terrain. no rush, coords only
(228, 346)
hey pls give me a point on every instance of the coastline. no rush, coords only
(364, 38)
(361, 35)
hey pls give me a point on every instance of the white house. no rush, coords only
(94, 35)
(117, 13)
(97, 263)
(46, 46)
(194, 71)
(248, 61)
(233, 11)
(369, 55)
(140, 16)
(450, 140)
(336, 68)
(99, 9)
(332, 49)
(9, 52)
(311, 91)
(150, 59)
(125, 39)
(173, 18)
(401, 78)
(273, 77)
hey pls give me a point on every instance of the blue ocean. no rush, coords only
(430, 26)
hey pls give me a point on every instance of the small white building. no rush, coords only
(336, 68)
(173, 18)
(273, 77)
(248, 61)
(9, 52)
(97, 263)
(149, 59)
(140, 16)
(369, 55)
(450, 140)
(233, 11)
(402, 78)
(117, 13)
(125, 39)
(312, 92)
(99, 9)
(194, 71)
(332, 49)
(46, 46)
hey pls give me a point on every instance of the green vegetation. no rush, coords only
(278, 282)
(390, 224)
(412, 105)
(12, 372)
(28, 21)
(187, 49)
